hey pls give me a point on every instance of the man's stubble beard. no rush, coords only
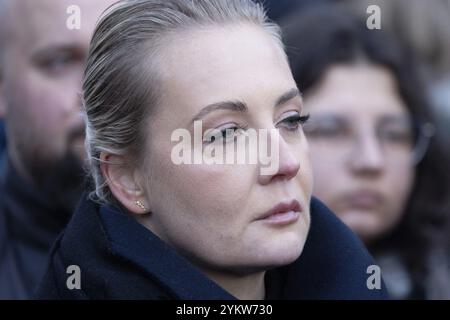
(61, 180)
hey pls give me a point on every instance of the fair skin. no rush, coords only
(41, 81)
(364, 181)
(210, 213)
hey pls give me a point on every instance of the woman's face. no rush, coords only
(361, 139)
(216, 214)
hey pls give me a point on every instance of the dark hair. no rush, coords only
(323, 36)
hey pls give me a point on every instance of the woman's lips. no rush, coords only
(283, 213)
(364, 199)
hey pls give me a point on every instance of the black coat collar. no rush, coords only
(144, 249)
(121, 259)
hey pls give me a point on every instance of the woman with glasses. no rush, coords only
(370, 135)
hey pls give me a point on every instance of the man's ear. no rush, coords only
(124, 183)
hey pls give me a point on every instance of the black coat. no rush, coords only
(2, 137)
(120, 259)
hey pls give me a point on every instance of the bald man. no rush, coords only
(43, 45)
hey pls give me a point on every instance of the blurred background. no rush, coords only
(376, 83)
(379, 100)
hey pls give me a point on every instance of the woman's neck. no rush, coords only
(243, 287)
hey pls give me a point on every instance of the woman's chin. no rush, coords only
(281, 251)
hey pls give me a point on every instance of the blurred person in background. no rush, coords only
(41, 66)
(2, 132)
(424, 26)
(375, 161)
(277, 9)
(2, 137)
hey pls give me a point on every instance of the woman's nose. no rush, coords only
(367, 155)
(284, 161)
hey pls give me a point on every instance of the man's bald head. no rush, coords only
(42, 63)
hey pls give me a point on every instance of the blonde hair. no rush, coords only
(118, 94)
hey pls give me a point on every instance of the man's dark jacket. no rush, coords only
(120, 259)
(29, 225)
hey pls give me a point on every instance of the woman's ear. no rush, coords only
(124, 182)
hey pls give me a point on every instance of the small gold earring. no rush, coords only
(140, 205)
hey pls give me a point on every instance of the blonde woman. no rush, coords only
(157, 229)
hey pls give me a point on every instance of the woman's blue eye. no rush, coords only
(229, 132)
(225, 134)
(293, 122)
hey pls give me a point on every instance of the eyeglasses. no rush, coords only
(398, 139)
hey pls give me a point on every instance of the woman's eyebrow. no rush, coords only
(240, 106)
(294, 92)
